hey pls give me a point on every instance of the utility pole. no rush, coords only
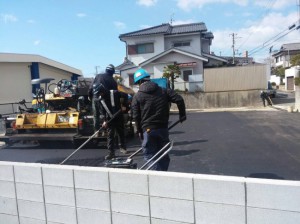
(233, 43)
(299, 12)
(172, 18)
(96, 67)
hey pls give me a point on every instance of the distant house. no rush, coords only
(17, 71)
(282, 58)
(153, 48)
(240, 61)
(284, 55)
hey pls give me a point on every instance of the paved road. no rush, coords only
(261, 143)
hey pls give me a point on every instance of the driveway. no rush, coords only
(260, 143)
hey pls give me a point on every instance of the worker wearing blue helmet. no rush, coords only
(150, 110)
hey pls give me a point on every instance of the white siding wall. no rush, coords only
(195, 46)
(179, 58)
(158, 47)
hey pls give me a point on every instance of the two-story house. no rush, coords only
(153, 48)
(282, 58)
(284, 55)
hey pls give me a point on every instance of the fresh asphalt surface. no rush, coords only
(261, 144)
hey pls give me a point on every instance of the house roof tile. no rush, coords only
(167, 29)
(291, 46)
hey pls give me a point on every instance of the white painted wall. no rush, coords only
(194, 39)
(158, 47)
(276, 79)
(39, 193)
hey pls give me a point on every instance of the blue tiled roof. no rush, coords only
(167, 29)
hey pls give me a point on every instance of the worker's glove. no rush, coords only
(104, 124)
(182, 118)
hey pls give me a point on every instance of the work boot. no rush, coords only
(110, 156)
(123, 150)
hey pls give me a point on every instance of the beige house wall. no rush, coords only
(15, 82)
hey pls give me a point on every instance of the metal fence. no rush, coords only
(235, 78)
(189, 86)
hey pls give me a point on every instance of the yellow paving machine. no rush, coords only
(59, 112)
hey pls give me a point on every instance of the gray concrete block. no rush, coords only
(6, 172)
(172, 209)
(273, 194)
(28, 174)
(171, 185)
(7, 189)
(25, 220)
(88, 216)
(9, 219)
(219, 213)
(128, 181)
(8, 206)
(219, 189)
(30, 192)
(31, 209)
(130, 204)
(267, 216)
(58, 176)
(91, 199)
(91, 179)
(61, 214)
(59, 195)
(119, 218)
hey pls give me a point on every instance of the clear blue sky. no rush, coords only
(85, 33)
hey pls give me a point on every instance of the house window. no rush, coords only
(182, 44)
(141, 48)
(131, 81)
(186, 73)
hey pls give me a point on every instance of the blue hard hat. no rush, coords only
(139, 75)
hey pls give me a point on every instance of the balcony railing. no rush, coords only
(195, 84)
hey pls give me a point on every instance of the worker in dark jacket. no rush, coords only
(106, 102)
(150, 108)
(265, 97)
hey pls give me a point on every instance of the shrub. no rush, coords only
(297, 81)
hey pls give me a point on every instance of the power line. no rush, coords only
(269, 6)
(291, 28)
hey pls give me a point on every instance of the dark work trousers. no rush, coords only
(265, 98)
(97, 113)
(155, 140)
(116, 127)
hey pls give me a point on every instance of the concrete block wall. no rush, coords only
(227, 99)
(53, 194)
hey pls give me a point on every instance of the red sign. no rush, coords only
(188, 64)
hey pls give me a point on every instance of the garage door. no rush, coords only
(290, 83)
